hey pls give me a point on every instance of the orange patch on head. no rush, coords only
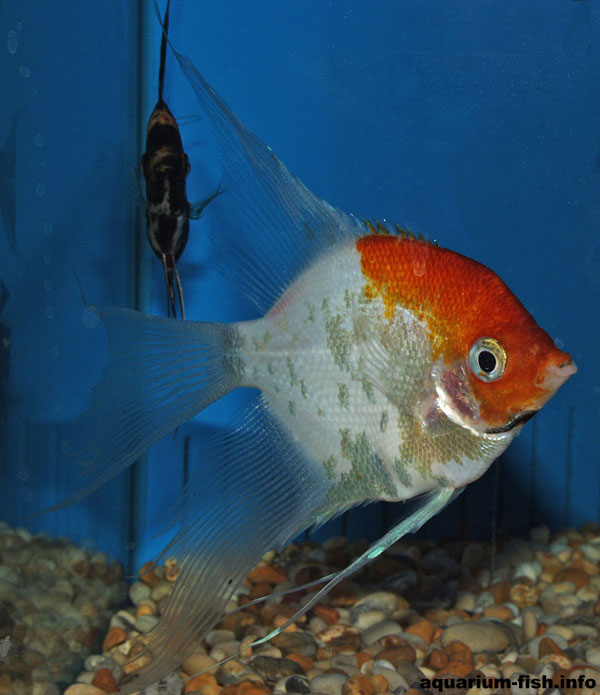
(460, 301)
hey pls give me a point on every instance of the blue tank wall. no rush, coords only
(472, 123)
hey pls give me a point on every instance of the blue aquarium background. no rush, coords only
(473, 123)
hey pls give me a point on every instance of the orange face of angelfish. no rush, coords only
(495, 366)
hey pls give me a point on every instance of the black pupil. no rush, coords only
(487, 361)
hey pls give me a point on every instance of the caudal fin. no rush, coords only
(161, 372)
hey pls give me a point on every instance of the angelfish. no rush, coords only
(387, 368)
(165, 167)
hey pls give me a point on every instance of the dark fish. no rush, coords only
(165, 166)
(8, 167)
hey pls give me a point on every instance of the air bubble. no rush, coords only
(48, 259)
(47, 284)
(11, 42)
(39, 140)
(40, 189)
(25, 71)
(559, 343)
(91, 317)
(47, 227)
(50, 311)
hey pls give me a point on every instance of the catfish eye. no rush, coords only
(488, 359)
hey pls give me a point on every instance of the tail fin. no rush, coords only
(161, 372)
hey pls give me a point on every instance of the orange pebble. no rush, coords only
(423, 628)
(267, 574)
(358, 684)
(396, 654)
(571, 574)
(148, 575)
(327, 613)
(206, 683)
(380, 683)
(456, 668)
(116, 635)
(548, 646)
(363, 657)
(280, 620)
(437, 659)
(499, 611)
(105, 680)
(261, 589)
(144, 609)
(458, 652)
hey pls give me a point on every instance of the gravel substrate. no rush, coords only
(56, 600)
(420, 612)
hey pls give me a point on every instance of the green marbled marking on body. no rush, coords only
(401, 468)
(383, 423)
(303, 390)
(343, 396)
(292, 407)
(339, 341)
(292, 371)
(367, 477)
(330, 465)
(320, 411)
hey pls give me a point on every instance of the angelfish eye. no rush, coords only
(488, 359)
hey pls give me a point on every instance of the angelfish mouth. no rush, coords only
(511, 424)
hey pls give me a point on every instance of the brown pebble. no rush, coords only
(380, 683)
(423, 628)
(342, 598)
(246, 687)
(458, 652)
(499, 611)
(396, 654)
(436, 659)
(136, 664)
(572, 574)
(267, 574)
(358, 685)
(392, 641)
(327, 613)
(548, 646)
(104, 679)
(338, 634)
(363, 657)
(148, 574)
(456, 668)
(172, 569)
(280, 620)
(305, 662)
(562, 661)
(261, 589)
(80, 689)
(115, 636)
(524, 593)
(144, 608)
(500, 591)
(204, 683)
